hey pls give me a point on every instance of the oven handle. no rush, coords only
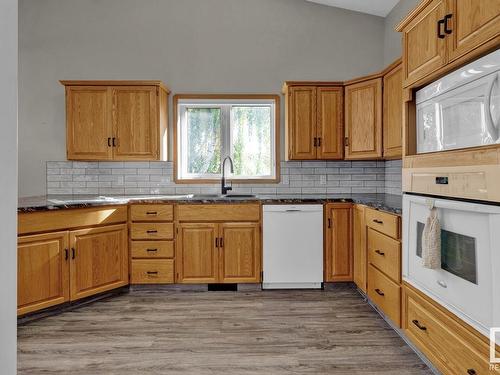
(456, 205)
(492, 127)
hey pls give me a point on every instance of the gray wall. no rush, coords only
(192, 45)
(392, 39)
(8, 184)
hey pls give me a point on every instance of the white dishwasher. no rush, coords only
(293, 246)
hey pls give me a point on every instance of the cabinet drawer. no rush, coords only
(158, 271)
(151, 212)
(385, 293)
(385, 253)
(449, 345)
(152, 231)
(383, 222)
(152, 249)
(218, 212)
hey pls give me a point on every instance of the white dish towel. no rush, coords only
(431, 241)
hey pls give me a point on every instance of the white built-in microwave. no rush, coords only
(462, 109)
(468, 280)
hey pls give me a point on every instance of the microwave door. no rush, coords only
(492, 108)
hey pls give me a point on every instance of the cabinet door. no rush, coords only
(197, 257)
(338, 259)
(135, 123)
(424, 52)
(302, 123)
(393, 113)
(363, 112)
(472, 23)
(330, 132)
(359, 246)
(88, 123)
(42, 271)
(240, 253)
(99, 260)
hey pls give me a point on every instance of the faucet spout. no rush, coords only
(224, 188)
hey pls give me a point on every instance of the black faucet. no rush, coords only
(224, 188)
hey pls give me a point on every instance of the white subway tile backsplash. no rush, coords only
(306, 177)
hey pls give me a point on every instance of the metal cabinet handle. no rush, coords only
(73, 253)
(420, 327)
(346, 141)
(114, 142)
(329, 223)
(216, 241)
(471, 371)
(151, 250)
(66, 254)
(380, 252)
(152, 272)
(379, 292)
(221, 242)
(376, 221)
(447, 30)
(319, 142)
(151, 231)
(439, 24)
(109, 142)
(315, 142)
(152, 213)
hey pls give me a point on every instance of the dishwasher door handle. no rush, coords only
(293, 210)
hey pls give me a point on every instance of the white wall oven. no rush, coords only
(462, 109)
(468, 280)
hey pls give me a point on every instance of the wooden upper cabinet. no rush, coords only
(423, 50)
(330, 127)
(42, 271)
(89, 132)
(134, 119)
(363, 120)
(99, 260)
(240, 253)
(302, 123)
(338, 254)
(472, 23)
(116, 120)
(393, 113)
(197, 255)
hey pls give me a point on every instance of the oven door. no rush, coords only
(466, 282)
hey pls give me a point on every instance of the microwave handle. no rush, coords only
(492, 127)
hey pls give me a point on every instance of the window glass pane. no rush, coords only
(203, 140)
(251, 140)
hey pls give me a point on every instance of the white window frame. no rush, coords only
(225, 106)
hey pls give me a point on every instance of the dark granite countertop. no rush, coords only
(384, 202)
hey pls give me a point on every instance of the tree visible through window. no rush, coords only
(210, 130)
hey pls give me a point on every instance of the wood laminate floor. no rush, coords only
(270, 332)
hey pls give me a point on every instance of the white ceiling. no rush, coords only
(377, 7)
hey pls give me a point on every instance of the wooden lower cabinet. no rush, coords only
(99, 260)
(338, 246)
(152, 271)
(449, 343)
(359, 246)
(43, 271)
(385, 293)
(218, 253)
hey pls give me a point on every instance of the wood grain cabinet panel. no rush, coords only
(330, 127)
(363, 120)
(151, 212)
(42, 271)
(240, 253)
(385, 293)
(197, 257)
(393, 113)
(99, 260)
(116, 120)
(152, 249)
(423, 51)
(158, 271)
(472, 23)
(89, 131)
(151, 231)
(302, 123)
(134, 121)
(338, 252)
(359, 246)
(385, 253)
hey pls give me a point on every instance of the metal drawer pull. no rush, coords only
(380, 252)
(420, 327)
(376, 221)
(151, 213)
(447, 30)
(152, 272)
(66, 254)
(151, 250)
(217, 242)
(379, 292)
(221, 242)
(151, 231)
(471, 371)
(73, 253)
(439, 24)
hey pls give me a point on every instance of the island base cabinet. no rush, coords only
(43, 271)
(58, 267)
(218, 253)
